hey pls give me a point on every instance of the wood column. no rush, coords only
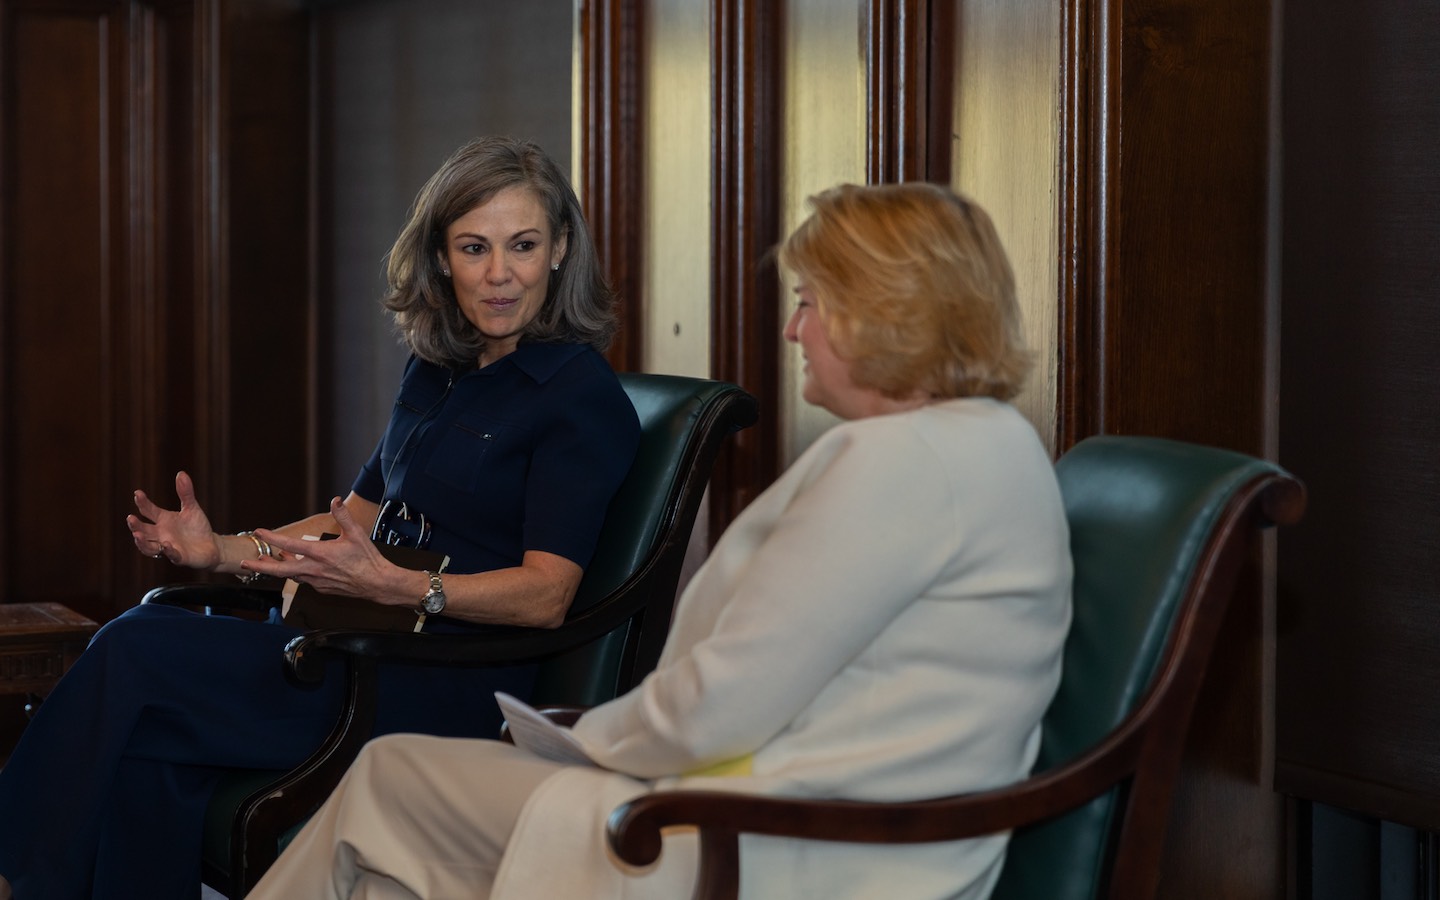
(612, 158)
(745, 36)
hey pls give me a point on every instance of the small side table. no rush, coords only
(38, 643)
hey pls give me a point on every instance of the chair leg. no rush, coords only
(719, 877)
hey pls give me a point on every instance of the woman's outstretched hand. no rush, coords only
(183, 536)
(348, 566)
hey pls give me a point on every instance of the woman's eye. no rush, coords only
(524, 246)
(473, 248)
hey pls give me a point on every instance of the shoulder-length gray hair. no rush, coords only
(579, 305)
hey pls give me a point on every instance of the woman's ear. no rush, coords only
(444, 265)
(557, 253)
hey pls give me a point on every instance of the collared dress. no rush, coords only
(105, 794)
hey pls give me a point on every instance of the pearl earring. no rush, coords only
(445, 272)
(555, 267)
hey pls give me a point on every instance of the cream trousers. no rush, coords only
(415, 818)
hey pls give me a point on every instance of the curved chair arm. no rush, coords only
(495, 646)
(215, 596)
(634, 828)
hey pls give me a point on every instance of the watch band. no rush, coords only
(434, 600)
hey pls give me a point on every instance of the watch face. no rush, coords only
(434, 602)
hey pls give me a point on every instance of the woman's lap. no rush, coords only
(166, 686)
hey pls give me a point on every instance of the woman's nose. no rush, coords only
(792, 327)
(499, 269)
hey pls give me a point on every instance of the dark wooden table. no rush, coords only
(38, 642)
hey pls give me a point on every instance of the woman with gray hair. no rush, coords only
(883, 623)
(508, 437)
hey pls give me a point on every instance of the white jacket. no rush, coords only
(884, 623)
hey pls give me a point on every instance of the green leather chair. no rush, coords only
(1158, 530)
(611, 639)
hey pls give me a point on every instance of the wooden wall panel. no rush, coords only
(1176, 223)
(261, 342)
(66, 297)
(96, 165)
(127, 226)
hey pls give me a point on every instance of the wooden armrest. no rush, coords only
(496, 645)
(634, 827)
(223, 596)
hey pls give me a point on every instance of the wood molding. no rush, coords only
(897, 106)
(1164, 224)
(1088, 141)
(940, 91)
(612, 158)
(745, 186)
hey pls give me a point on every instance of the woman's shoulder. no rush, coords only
(580, 367)
(967, 434)
(978, 417)
(585, 386)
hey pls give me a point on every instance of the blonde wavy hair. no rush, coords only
(914, 290)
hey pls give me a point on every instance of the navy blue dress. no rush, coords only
(105, 795)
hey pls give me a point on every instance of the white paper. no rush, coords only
(287, 590)
(537, 734)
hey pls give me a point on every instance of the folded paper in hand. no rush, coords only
(533, 732)
(308, 609)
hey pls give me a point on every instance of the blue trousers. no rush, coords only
(104, 797)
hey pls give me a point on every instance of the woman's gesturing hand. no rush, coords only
(183, 536)
(348, 566)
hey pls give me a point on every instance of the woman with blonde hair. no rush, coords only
(883, 623)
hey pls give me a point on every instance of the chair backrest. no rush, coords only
(683, 422)
(1142, 514)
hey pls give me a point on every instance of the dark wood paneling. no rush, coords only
(1179, 221)
(1358, 688)
(940, 91)
(745, 187)
(1165, 316)
(611, 38)
(78, 278)
(261, 345)
(146, 182)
